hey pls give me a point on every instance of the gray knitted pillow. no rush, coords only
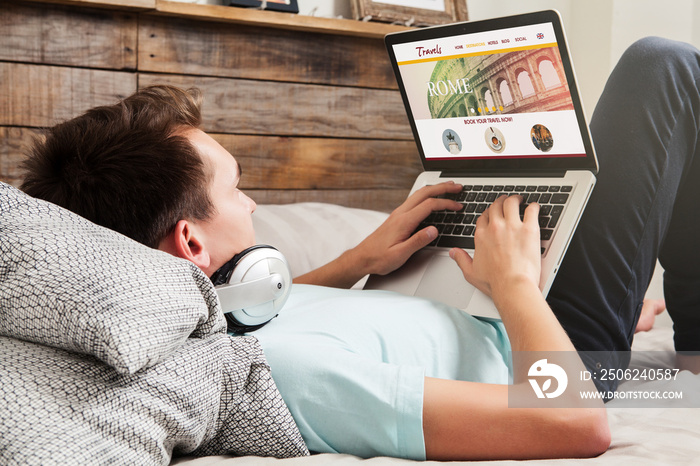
(70, 284)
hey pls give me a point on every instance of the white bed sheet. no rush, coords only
(310, 234)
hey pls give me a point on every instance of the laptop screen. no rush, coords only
(490, 94)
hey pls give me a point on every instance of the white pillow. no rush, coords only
(311, 234)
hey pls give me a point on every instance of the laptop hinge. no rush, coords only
(523, 174)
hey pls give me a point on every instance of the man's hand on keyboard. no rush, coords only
(507, 249)
(390, 246)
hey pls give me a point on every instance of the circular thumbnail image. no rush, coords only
(494, 139)
(542, 138)
(451, 141)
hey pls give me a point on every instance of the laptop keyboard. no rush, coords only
(456, 229)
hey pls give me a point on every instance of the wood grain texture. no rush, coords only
(14, 145)
(42, 96)
(369, 174)
(180, 46)
(320, 163)
(383, 200)
(59, 35)
(275, 20)
(312, 114)
(120, 5)
(289, 109)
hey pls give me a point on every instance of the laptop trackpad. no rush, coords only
(443, 281)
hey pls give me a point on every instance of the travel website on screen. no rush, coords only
(493, 94)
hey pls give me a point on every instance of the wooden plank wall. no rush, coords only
(310, 116)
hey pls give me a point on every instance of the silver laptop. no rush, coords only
(493, 106)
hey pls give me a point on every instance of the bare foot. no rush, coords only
(650, 309)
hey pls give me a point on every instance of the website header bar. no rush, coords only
(502, 40)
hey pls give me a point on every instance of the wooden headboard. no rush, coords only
(308, 106)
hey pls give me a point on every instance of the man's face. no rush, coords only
(230, 228)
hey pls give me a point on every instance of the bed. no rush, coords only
(309, 234)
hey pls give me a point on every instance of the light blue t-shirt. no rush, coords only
(350, 365)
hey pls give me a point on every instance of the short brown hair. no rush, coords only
(125, 166)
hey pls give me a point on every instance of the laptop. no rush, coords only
(494, 106)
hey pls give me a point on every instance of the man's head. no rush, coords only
(143, 167)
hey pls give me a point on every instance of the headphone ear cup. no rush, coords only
(234, 326)
(257, 289)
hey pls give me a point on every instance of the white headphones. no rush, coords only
(253, 287)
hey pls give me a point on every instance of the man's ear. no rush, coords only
(184, 242)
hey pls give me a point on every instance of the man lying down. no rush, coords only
(360, 371)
